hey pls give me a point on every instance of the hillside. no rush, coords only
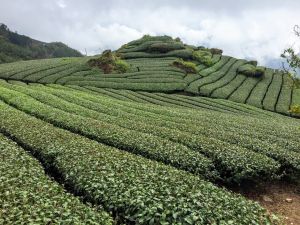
(156, 132)
(152, 70)
(16, 47)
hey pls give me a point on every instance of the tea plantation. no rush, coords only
(153, 141)
(151, 68)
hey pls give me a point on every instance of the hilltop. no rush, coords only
(16, 47)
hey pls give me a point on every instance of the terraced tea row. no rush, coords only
(135, 189)
(152, 69)
(185, 146)
(172, 100)
(29, 196)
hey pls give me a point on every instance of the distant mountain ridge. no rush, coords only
(15, 47)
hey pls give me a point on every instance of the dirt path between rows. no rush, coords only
(282, 199)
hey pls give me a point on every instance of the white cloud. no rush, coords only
(61, 4)
(254, 29)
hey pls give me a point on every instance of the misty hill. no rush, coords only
(15, 47)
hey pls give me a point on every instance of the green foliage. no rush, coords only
(109, 62)
(165, 47)
(203, 57)
(181, 53)
(29, 196)
(240, 163)
(134, 188)
(251, 70)
(272, 93)
(295, 109)
(253, 62)
(146, 38)
(188, 67)
(216, 51)
(121, 66)
(292, 57)
(297, 82)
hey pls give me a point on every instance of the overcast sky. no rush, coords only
(257, 29)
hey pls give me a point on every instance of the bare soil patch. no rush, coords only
(282, 199)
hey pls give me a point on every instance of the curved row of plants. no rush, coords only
(135, 189)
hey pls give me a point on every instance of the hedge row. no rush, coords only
(273, 92)
(243, 91)
(158, 87)
(278, 153)
(53, 78)
(224, 104)
(10, 69)
(265, 130)
(257, 96)
(184, 54)
(104, 92)
(146, 38)
(202, 102)
(296, 97)
(143, 75)
(262, 127)
(232, 63)
(156, 75)
(149, 79)
(285, 97)
(170, 101)
(195, 86)
(226, 91)
(135, 189)
(237, 163)
(216, 66)
(39, 75)
(147, 145)
(248, 139)
(222, 81)
(154, 46)
(41, 69)
(263, 133)
(29, 196)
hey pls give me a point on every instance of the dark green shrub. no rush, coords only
(177, 39)
(295, 109)
(297, 82)
(164, 47)
(182, 53)
(147, 37)
(251, 71)
(188, 67)
(253, 62)
(200, 48)
(191, 47)
(204, 57)
(121, 66)
(216, 51)
(109, 62)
